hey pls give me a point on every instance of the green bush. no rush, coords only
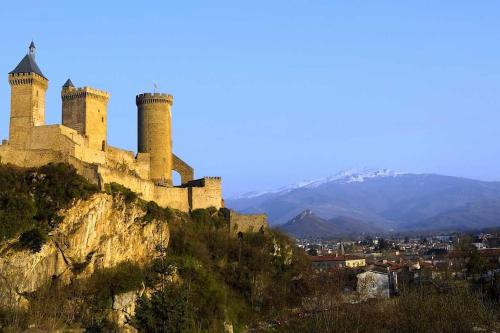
(98, 291)
(115, 189)
(17, 211)
(165, 311)
(210, 217)
(155, 212)
(33, 240)
(122, 278)
(31, 198)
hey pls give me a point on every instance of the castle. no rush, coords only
(81, 140)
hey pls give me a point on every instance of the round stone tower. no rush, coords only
(154, 120)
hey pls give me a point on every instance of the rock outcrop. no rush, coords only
(100, 232)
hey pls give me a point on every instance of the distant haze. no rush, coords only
(378, 200)
(271, 92)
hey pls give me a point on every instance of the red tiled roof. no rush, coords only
(335, 258)
(391, 265)
(426, 265)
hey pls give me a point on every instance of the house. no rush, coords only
(380, 279)
(374, 284)
(332, 262)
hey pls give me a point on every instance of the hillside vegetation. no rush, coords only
(203, 280)
(30, 200)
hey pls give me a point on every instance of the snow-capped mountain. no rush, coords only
(355, 175)
(383, 198)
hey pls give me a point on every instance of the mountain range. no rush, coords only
(309, 225)
(370, 200)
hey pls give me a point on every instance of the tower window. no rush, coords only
(102, 119)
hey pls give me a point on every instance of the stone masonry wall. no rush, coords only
(27, 106)
(125, 160)
(185, 171)
(205, 192)
(155, 133)
(173, 197)
(246, 223)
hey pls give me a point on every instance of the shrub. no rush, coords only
(203, 216)
(55, 186)
(32, 197)
(210, 217)
(33, 240)
(115, 189)
(166, 310)
(17, 211)
(155, 212)
(122, 278)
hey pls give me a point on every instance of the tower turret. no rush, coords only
(32, 49)
(27, 101)
(155, 133)
(85, 110)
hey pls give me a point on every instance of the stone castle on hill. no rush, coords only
(81, 140)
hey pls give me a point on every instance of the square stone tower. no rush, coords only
(85, 110)
(27, 101)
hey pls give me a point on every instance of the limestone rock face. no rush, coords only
(123, 309)
(100, 232)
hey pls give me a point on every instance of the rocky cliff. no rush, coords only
(99, 232)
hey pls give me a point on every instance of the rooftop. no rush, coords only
(335, 258)
(28, 64)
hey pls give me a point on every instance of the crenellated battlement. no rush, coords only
(18, 79)
(76, 93)
(81, 140)
(203, 182)
(149, 98)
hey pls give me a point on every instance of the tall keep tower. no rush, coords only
(85, 110)
(154, 119)
(27, 99)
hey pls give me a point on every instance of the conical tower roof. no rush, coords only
(28, 65)
(68, 84)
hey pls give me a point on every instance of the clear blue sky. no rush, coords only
(272, 92)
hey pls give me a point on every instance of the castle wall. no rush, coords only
(87, 170)
(173, 197)
(125, 161)
(185, 171)
(205, 192)
(246, 223)
(57, 143)
(45, 144)
(67, 141)
(28, 158)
